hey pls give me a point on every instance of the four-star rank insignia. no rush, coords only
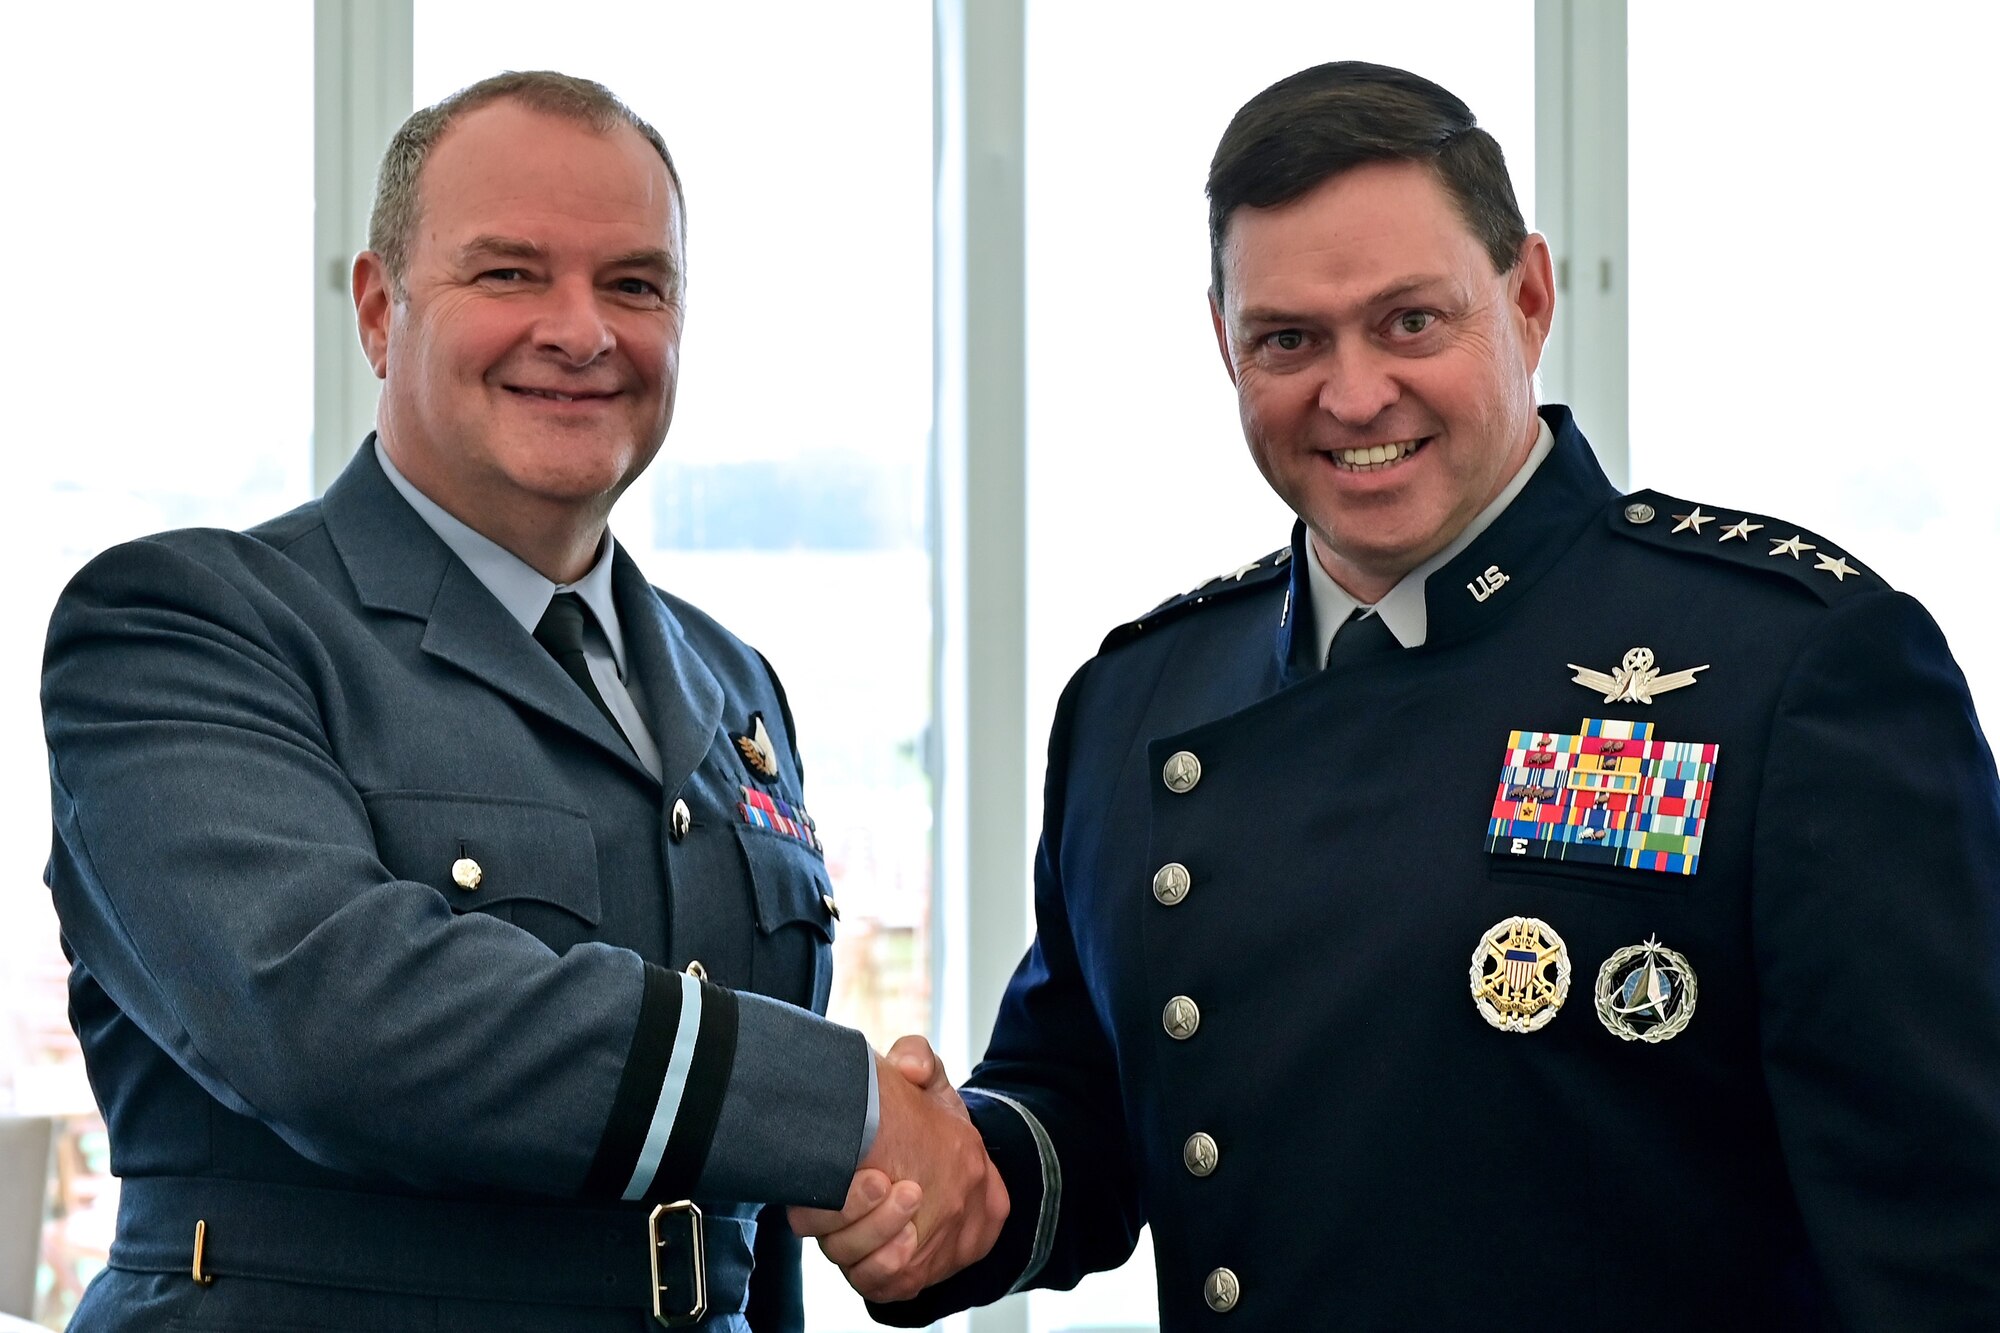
(1520, 975)
(755, 747)
(1610, 795)
(1645, 992)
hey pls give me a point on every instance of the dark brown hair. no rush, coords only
(1312, 126)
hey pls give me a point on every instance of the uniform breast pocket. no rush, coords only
(1609, 881)
(793, 957)
(529, 862)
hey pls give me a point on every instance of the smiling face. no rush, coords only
(529, 361)
(1383, 369)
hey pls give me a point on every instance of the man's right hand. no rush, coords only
(927, 1201)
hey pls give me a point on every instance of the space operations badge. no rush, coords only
(1609, 795)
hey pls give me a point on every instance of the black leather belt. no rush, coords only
(669, 1260)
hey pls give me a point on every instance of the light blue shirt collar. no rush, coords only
(1402, 607)
(518, 586)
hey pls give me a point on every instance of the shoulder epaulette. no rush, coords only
(1754, 541)
(1236, 582)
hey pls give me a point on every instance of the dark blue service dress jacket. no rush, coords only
(1248, 1017)
(382, 941)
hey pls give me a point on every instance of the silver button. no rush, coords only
(681, 820)
(1183, 770)
(466, 873)
(1171, 883)
(832, 907)
(1200, 1155)
(1221, 1291)
(1640, 513)
(1181, 1017)
(696, 970)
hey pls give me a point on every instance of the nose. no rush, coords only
(1360, 383)
(572, 326)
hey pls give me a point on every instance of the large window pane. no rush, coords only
(1139, 482)
(789, 499)
(158, 372)
(1812, 286)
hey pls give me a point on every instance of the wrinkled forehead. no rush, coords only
(1370, 225)
(508, 163)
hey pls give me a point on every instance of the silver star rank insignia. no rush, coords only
(1791, 546)
(755, 747)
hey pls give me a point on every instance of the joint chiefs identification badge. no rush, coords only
(1645, 992)
(1609, 795)
(1520, 975)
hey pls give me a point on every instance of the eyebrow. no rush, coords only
(508, 247)
(1395, 291)
(652, 259)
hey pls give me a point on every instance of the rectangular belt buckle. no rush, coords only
(680, 1258)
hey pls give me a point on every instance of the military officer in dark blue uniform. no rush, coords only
(449, 928)
(1511, 902)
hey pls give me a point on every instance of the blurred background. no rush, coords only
(950, 406)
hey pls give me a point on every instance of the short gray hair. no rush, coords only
(392, 223)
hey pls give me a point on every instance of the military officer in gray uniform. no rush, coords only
(1510, 902)
(449, 927)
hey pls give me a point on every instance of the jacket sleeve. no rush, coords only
(216, 871)
(1876, 915)
(1047, 1102)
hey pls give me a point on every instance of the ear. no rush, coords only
(1534, 297)
(1221, 335)
(374, 309)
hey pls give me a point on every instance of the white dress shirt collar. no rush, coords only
(518, 586)
(1402, 607)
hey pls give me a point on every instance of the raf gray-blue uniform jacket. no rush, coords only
(270, 753)
(1819, 1148)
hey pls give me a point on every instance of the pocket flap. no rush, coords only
(518, 849)
(788, 880)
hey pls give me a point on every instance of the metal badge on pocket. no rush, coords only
(1609, 795)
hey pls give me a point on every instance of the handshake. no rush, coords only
(927, 1200)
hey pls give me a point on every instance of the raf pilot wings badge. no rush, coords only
(1636, 681)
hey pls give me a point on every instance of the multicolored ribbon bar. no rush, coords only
(1609, 795)
(778, 815)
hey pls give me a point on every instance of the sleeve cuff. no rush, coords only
(873, 1124)
(669, 1099)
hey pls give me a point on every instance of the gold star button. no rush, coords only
(1791, 546)
(1694, 521)
(1740, 531)
(1837, 566)
(465, 873)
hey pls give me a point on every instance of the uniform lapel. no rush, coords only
(683, 699)
(399, 565)
(1479, 585)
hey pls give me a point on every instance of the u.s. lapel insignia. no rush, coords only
(755, 747)
(1520, 975)
(1636, 681)
(1645, 992)
(1610, 795)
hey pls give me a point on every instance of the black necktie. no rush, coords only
(561, 632)
(1361, 635)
